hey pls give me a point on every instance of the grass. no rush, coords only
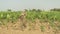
(42, 28)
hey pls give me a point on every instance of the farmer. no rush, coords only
(23, 20)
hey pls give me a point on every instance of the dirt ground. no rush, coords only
(15, 29)
(11, 31)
